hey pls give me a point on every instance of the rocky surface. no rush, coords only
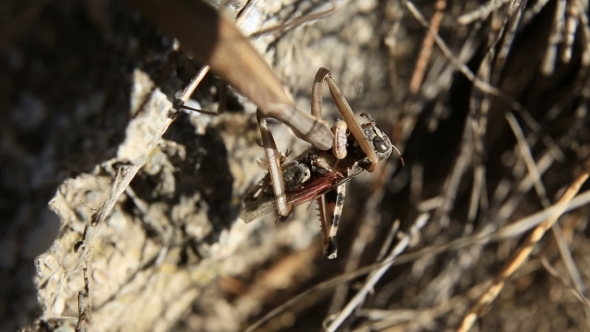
(111, 224)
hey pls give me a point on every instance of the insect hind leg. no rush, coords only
(330, 206)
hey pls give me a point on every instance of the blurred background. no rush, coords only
(109, 225)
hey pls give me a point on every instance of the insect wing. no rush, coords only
(254, 209)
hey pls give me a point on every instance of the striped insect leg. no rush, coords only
(273, 159)
(330, 207)
(323, 222)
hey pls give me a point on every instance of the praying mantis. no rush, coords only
(336, 155)
(317, 174)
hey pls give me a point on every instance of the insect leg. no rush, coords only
(330, 207)
(316, 92)
(273, 158)
(324, 222)
(339, 129)
(346, 112)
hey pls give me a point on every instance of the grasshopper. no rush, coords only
(318, 174)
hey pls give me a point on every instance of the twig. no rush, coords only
(569, 30)
(585, 31)
(478, 83)
(316, 15)
(426, 49)
(548, 65)
(459, 168)
(579, 295)
(509, 231)
(376, 275)
(527, 155)
(535, 175)
(513, 20)
(506, 210)
(84, 307)
(416, 319)
(388, 241)
(482, 12)
(522, 254)
(568, 260)
(533, 11)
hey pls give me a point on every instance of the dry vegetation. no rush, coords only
(487, 100)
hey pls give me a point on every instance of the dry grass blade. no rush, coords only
(571, 25)
(524, 224)
(477, 82)
(483, 86)
(426, 49)
(218, 43)
(586, 32)
(509, 231)
(376, 275)
(527, 155)
(481, 13)
(555, 39)
(317, 14)
(522, 254)
(412, 319)
(535, 175)
(580, 296)
(568, 260)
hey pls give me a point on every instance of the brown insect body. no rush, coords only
(316, 172)
(322, 172)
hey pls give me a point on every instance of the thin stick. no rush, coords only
(376, 275)
(535, 175)
(389, 240)
(482, 12)
(190, 88)
(568, 260)
(509, 231)
(426, 50)
(522, 254)
(585, 32)
(569, 30)
(84, 307)
(579, 295)
(482, 85)
(533, 11)
(555, 38)
(452, 182)
(316, 15)
(514, 16)
(527, 156)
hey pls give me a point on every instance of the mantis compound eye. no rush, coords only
(380, 145)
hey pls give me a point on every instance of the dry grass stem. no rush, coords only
(522, 253)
